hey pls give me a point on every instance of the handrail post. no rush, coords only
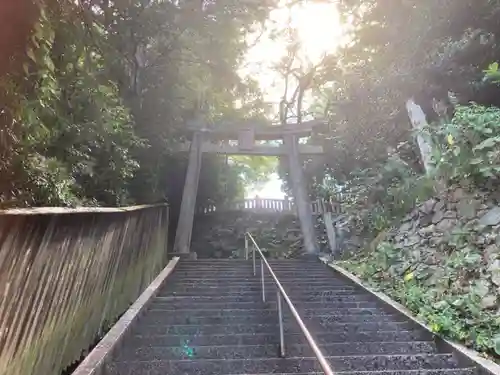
(262, 280)
(253, 260)
(280, 317)
(246, 247)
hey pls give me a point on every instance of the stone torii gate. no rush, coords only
(241, 139)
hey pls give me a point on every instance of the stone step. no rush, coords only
(248, 263)
(262, 312)
(196, 277)
(160, 317)
(257, 292)
(287, 365)
(256, 282)
(321, 338)
(257, 287)
(249, 268)
(187, 303)
(157, 353)
(256, 297)
(248, 271)
(234, 329)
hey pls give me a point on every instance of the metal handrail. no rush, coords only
(281, 293)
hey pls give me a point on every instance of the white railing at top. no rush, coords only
(318, 207)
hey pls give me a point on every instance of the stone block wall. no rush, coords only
(457, 220)
(222, 235)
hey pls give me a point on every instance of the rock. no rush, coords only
(425, 220)
(492, 217)
(446, 225)
(436, 241)
(471, 224)
(416, 255)
(489, 238)
(398, 245)
(481, 288)
(491, 253)
(450, 215)
(412, 241)
(428, 206)
(406, 227)
(438, 216)
(481, 213)
(494, 268)
(480, 240)
(458, 194)
(467, 208)
(489, 302)
(427, 231)
(399, 238)
(439, 206)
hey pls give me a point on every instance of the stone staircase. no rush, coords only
(209, 319)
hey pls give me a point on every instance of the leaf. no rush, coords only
(49, 63)
(450, 140)
(409, 276)
(496, 344)
(435, 327)
(488, 143)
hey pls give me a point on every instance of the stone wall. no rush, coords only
(222, 235)
(457, 220)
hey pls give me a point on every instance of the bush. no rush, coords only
(468, 146)
(378, 197)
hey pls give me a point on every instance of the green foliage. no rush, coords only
(467, 147)
(254, 170)
(377, 197)
(492, 73)
(445, 291)
(77, 138)
(106, 90)
(397, 51)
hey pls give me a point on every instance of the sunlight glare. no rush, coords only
(319, 30)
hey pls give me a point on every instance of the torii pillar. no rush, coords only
(188, 205)
(300, 195)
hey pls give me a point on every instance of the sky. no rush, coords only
(319, 30)
(270, 190)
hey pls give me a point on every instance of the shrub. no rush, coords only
(468, 146)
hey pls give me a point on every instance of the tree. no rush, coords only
(400, 50)
(106, 90)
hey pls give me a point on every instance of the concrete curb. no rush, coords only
(95, 361)
(466, 354)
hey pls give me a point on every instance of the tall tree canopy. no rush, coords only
(396, 50)
(103, 90)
